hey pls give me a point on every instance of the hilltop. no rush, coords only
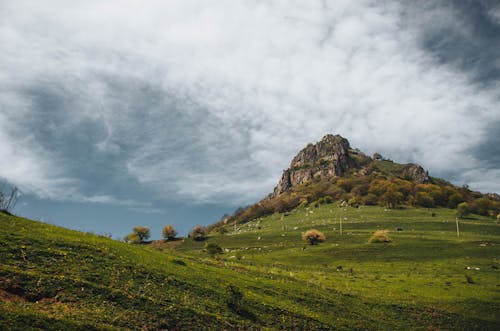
(331, 170)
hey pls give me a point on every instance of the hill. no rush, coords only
(331, 170)
(53, 278)
(261, 275)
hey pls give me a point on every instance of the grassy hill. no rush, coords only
(426, 278)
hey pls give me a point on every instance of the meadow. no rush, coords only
(425, 278)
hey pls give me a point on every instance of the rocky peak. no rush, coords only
(327, 158)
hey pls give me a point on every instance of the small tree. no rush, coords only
(213, 249)
(132, 238)
(8, 200)
(313, 236)
(169, 232)
(463, 209)
(199, 233)
(139, 235)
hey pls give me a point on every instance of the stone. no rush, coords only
(325, 159)
(416, 173)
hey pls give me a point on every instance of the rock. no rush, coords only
(416, 173)
(325, 159)
(493, 196)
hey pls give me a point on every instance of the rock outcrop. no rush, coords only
(325, 159)
(416, 173)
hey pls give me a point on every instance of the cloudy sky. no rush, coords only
(117, 113)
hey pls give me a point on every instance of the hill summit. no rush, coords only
(331, 170)
(331, 157)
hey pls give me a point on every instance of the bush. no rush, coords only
(132, 238)
(380, 236)
(313, 236)
(454, 200)
(169, 232)
(234, 298)
(139, 235)
(391, 198)
(213, 249)
(463, 209)
(424, 199)
(142, 232)
(370, 199)
(199, 233)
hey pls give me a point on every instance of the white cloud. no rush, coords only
(210, 100)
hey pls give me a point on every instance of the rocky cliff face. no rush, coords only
(416, 173)
(327, 158)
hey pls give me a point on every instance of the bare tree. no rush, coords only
(8, 200)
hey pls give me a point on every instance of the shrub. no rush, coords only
(391, 198)
(313, 236)
(213, 249)
(370, 199)
(199, 233)
(132, 238)
(169, 232)
(138, 235)
(498, 218)
(481, 206)
(234, 298)
(454, 200)
(424, 199)
(354, 202)
(463, 209)
(222, 230)
(380, 236)
(142, 232)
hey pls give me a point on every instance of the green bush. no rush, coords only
(234, 298)
(213, 249)
(463, 209)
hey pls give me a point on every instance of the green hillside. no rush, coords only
(426, 278)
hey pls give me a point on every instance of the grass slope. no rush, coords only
(53, 278)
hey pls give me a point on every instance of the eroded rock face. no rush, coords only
(327, 158)
(416, 173)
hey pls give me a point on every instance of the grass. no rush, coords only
(53, 278)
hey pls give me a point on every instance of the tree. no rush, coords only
(139, 235)
(313, 236)
(198, 233)
(169, 232)
(8, 200)
(454, 200)
(391, 197)
(463, 209)
(132, 238)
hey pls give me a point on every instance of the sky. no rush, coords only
(120, 113)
